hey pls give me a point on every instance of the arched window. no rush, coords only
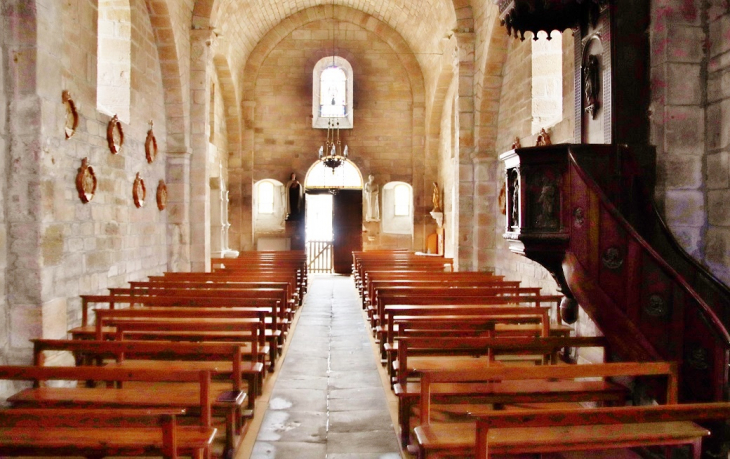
(332, 93)
(547, 80)
(397, 215)
(347, 176)
(114, 59)
(266, 197)
(402, 200)
(269, 206)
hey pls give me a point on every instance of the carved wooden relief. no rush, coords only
(114, 135)
(71, 121)
(139, 191)
(545, 200)
(579, 217)
(150, 145)
(543, 138)
(161, 195)
(513, 182)
(656, 307)
(86, 181)
(612, 258)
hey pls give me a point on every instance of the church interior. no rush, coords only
(578, 147)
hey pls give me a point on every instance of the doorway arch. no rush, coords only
(333, 219)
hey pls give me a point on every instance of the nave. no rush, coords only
(327, 398)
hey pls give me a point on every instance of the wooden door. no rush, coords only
(347, 228)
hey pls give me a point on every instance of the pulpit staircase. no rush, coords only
(585, 213)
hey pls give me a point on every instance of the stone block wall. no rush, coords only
(717, 177)
(690, 118)
(58, 247)
(381, 142)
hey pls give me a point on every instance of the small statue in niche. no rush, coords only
(514, 203)
(436, 198)
(546, 217)
(371, 203)
(543, 138)
(591, 84)
(294, 198)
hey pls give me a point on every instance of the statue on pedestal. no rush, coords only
(370, 200)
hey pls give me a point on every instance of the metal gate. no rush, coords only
(319, 256)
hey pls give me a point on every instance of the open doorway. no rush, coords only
(318, 231)
(333, 217)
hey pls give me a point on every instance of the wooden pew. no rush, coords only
(100, 432)
(434, 438)
(65, 397)
(487, 305)
(254, 344)
(594, 429)
(408, 391)
(256, 306)
(226, 400)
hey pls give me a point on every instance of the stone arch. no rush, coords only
(175, 106)
(230, 101)
(240, 192)
(489, 86)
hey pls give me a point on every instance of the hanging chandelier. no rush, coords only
(331, 153)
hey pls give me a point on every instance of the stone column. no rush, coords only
(467, 223)
(30, 35)
(200, 66)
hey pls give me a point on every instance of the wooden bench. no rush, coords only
(409, 391)
(488, 307)
(198, 401)
(459, 438)
(591, 429)
(100, 432)
(260, 308)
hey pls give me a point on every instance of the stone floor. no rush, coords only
(328, 400)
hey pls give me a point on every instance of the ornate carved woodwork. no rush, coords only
(150, 145)
(114, 135)
(86, 181)
(71, 120)
(139, 191)
(161, 195)
(521, 16)
(647, 307)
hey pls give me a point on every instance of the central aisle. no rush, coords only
(328, 400)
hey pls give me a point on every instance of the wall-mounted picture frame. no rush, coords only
(115, 135)
(71, 120)
(139, 191)
(161, 195)
(150, 145)
(86, 181)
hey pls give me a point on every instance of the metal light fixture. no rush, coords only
(331, 153)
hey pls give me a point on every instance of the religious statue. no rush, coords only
(591, 82)
(543, 138)
(294, 198)
(370, 200)
(436, 198)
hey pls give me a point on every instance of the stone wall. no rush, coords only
(59, 247)
(718, 142)
(4, 154)
(381, 142)
(690, 118)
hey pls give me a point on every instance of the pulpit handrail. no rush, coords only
(705, 309)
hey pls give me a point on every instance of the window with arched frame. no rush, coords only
(332, 93)
(397, 215)
(114, 59)
(269, 205)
